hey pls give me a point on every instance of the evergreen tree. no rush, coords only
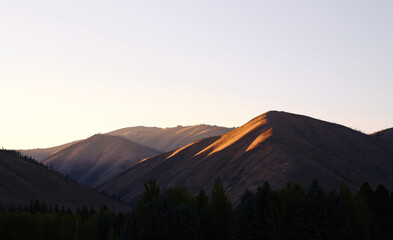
(201, 206)
(152, 191)
(201, 201)
(281, 214)
(383, 212)
(340, 224)
(162, 219)
(366, 193)
(246, 225)
(104, 220)
(220, 212)
(312, 215)
(179, 196)
(359, 213)
(264, 196)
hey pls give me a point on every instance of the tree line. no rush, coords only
(291, 212)
(18, 154)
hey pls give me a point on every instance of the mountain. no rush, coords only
(162, 139)
(276, 147)
(42, 153)
(386, 134)
(22, 181)
(98, 158)
(167, 139)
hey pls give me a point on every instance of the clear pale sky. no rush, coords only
(70, 69)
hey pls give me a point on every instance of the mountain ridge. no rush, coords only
(154, 141)
(94, 160)
(167, 139)
(275, 146)
(98, 158)
(42, 153)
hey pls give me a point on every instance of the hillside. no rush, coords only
(98, 158)
(162, 139)
(22, 181)
(42, 153)
(167, 139)
(277, 147)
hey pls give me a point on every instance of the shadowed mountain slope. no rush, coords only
(277, 147)
(101, 157)
(167, 139)
(22, 181)
(98, 158)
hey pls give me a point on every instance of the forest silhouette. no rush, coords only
(291, 212)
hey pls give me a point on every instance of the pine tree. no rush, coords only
(312, 215)
(152, 191)
(246, 225)
(340, 224)
(281, 214)
(359, 213)
(162, 219)
(383, 211)
(220, 211)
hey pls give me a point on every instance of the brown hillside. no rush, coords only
(42, 153)
(98, 158)
(277, 147)
(163, 139)
(167, 139)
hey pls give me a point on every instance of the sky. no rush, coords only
(70, 69)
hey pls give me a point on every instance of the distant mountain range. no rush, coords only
(42, 153)
(277, 147)
(167, 139)
(23, 181)
(97, 159)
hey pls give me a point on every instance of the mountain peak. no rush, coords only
(277, 117)
(98, 158)
(277, 147)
